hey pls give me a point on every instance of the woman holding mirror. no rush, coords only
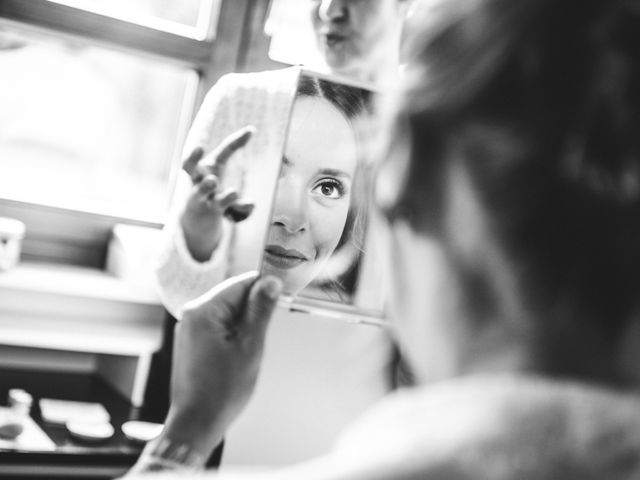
(509, 199)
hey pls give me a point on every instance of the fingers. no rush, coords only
(239, 304)
(190, 163)
(230, 145)
(231, 293)
(226, 198)
(200, 167)
(263, 298)
(227, 201)
(207, 190)
(239, 211)
(207, 187)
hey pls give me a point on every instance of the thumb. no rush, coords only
(262, 301)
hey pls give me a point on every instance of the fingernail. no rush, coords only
(271, 286)
(238, 213)
(210, 180)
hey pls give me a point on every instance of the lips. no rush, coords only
(284, 258)
(332, 38)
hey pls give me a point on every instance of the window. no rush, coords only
(96, 98)
(292, 37)
(84, 126)
(195, 18)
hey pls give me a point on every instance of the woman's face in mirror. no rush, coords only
(313, 193)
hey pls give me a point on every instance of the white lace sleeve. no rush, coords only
(180, 277)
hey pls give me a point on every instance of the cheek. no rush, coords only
(367, 18)
(375, 22)
(422, 305)
(327, 225)
(314, 15)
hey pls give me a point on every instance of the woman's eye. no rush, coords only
(329, 189)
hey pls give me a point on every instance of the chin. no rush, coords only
(291, 284)
(292, 287)
(339, 62)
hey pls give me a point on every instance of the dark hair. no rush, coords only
(351, 101)
(535, 104)
(354, 103)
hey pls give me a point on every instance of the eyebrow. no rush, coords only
(333, 172)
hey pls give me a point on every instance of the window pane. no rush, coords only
(168, 15)
(291, 31)
(88, 128)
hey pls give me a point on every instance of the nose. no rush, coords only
(290, 209)
(332, 10)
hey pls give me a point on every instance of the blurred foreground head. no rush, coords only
(512, 186)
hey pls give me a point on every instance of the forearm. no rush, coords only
(200, 432)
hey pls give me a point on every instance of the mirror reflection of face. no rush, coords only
(350, 32)
(313, 193)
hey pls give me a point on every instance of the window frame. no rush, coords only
(80, 237)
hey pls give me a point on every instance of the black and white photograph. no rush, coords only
(320, 239)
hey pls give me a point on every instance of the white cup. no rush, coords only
(11, 235)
